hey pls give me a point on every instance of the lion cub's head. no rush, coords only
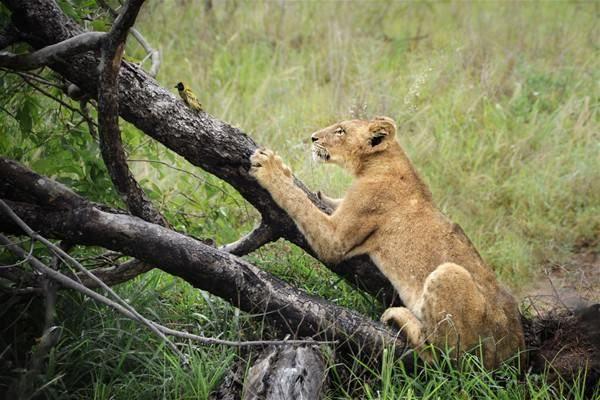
(349, 143)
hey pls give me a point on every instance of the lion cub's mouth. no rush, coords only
(320, 153)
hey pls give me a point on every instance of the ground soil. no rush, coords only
(569, 286)
(562, 324)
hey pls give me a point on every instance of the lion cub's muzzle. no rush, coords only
(320, 153)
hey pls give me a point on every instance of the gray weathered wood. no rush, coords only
(283, 373)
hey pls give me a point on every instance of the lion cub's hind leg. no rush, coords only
(453, 311)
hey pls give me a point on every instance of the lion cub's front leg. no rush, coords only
(273, 175)
(330, 236)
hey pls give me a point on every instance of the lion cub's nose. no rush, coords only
(314, 138)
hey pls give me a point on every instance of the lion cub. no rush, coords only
(452, 298)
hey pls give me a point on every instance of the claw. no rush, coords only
(385, 317)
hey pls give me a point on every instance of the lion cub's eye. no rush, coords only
(340, 131)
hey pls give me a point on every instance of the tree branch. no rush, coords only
(116, 274)
(121, 26)
(21, 184)
(259, 236)
(64, 256)
(53, 53)
(108, 118)
(224, 152)
(28, 79)
(111, 144)
(153, 54)
(240, 283)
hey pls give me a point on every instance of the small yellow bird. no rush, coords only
(188, 97)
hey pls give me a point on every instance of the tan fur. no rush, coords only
(452, 298)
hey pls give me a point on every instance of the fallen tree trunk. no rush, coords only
(203, 140)
(55, 211)
(282, 373)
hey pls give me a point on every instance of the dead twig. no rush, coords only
(257, 238)
(34, 77)
(49, 54)
(28, 80)
(151, 53)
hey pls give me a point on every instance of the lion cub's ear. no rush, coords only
(381, 128)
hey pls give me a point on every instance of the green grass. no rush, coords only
(103, 356)
(497, 106)
(466, 380)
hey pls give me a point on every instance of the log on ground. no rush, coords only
(291, 372)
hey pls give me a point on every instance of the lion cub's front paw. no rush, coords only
(268, 167)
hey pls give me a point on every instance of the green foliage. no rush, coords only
(78, 9)
(497, 105)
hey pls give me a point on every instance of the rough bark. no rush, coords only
(111, 145)
(8, 36)
(282, 373)
(202, 139)
(233, 279)
(115, 274)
